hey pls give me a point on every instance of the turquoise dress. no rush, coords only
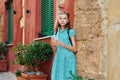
(64, 60)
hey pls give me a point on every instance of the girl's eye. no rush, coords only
(64, 18)
(60, 18)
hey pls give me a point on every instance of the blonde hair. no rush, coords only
(57, 25)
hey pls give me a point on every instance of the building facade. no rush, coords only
(96, 22)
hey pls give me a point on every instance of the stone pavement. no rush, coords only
(7, 76)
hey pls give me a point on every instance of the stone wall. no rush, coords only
(90, 23)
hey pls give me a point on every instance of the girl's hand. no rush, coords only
(53, 42)
(56, 42)
(59, 43)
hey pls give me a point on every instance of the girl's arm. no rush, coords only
(72, 48)
(53, 45)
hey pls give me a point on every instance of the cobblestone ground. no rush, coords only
(7, 76)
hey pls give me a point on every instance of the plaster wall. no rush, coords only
(113, 40)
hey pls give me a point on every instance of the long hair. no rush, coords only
(57, 25)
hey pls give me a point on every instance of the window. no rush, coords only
(10, 12)
(47, 17)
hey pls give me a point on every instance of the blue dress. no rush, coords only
(64, 60)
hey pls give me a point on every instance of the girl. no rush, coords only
(65, 46)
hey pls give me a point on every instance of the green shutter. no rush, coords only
(10, 24)
(47, 17)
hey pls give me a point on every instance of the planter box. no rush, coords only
(3, 65)
(32, 77)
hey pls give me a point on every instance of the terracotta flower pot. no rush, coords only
(32, 77)
(3, 65)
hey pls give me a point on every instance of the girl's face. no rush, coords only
(63, 19)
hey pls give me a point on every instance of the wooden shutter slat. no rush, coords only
(47, 17)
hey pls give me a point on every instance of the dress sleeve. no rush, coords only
(55, 36)
(72, 32)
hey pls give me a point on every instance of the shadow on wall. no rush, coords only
(1, 25)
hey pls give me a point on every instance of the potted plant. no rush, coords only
(32, 56)
(3, 53)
